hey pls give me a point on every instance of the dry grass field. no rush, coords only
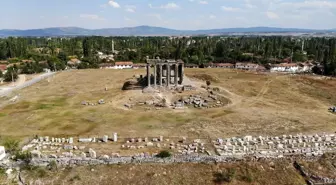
(261, 173)
(260, 104)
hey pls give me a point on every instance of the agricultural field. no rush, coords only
(259, 104)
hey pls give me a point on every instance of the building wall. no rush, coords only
(123, 67)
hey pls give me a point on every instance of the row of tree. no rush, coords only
(196, 50)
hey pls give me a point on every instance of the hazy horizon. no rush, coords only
(181, 15)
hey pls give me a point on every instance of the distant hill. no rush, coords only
(148, 31)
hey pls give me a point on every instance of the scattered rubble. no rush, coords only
(100, 102)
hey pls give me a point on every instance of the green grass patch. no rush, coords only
(2, 114)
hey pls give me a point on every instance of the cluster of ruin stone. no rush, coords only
(100, 102)
(311, 145)
(198, 101)
(181, 147)
(260, 147)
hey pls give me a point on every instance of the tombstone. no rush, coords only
(85, 140)
(105, 138)
(63, 140)
(233, 149)
(83, 155)
(70, 140)
(68, 147)
(92, 153)
(2, 152)
(161, 138)
(248, 138)
(146, 139)
(149, 144)
(155, 140)
(328, 139)
(280, 146)
(115, 137)
(139, 140)
(220, 141)
(59, 140)
(47, 138)
(41, 139)
(94, 140)
(304, 145)
(52, 139)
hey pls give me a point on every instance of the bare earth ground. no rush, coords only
(174, 174)
(261, 104)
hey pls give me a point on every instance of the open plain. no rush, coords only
(255, 104)
(259, 104)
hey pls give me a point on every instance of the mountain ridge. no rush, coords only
(145, 30)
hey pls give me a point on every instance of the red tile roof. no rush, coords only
(3, 67)
(123, 63)
(223, 64)
(285, 65)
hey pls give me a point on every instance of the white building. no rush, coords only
(2, 153)
(306, 67)
(123, 65)
(285, 67)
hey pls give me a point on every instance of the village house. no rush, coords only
(190, 66)
(139, 65)
(223, 65)
(74, 62)
(246, 66)
(106, 66)
(102, 56)
(3, 68)
(306, 67)
(123, 65)
(284, 67)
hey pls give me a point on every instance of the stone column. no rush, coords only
(168, 74)
(161, 71)
(176, 74)
(148, 75)
(182, 73)
(155, 73)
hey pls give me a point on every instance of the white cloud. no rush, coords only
(230, 9)
(170, 6)
(114, 4)
(212, 17)
(203, 2)
(91, 16)
(130, 8)
(272, 15)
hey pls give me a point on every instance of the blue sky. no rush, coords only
(178, 14)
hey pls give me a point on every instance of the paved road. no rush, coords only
(4, 91)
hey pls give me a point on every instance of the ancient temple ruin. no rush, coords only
(164, 73)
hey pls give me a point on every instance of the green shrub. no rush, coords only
(163, 154)
(24, 156)
(75, 178)
(41, 172)
(11, 145)
(221, 177)
(52, 165)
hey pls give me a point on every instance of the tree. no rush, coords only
(11, 74)
(1, 74)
